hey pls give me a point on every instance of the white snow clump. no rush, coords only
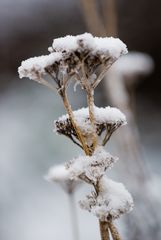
(61, 175)
(34, 68)
(114, 47)
(112, 201)
(91, 168)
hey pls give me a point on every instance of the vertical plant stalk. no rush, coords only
(115, 234)
(92, 18)
(71, 116)
(74, 219)
(104, 230)
(90, 11)
(109, 9)
(90, 101)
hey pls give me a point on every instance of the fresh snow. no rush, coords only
(91, 168)
(110, 46)
(107, 115)
(58, 173)
(70, 43)
(61, 175)
(113, 200)
(114, 46)
(34, 68)
(107, 50)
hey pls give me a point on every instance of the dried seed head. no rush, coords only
(106, 120)
(81, 56)
(35, 68)
(112, 201)
(91, 168)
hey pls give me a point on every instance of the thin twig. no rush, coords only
(102, 74)
(107, 136)
(74, 141)
(45, 83)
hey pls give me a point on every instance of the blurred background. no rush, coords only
(30, 207)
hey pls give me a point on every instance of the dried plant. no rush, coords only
(120, 85)
(84, 60)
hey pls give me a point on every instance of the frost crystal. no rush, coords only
(107, 118)
(62, 176)
(91, 168)
(113, 200)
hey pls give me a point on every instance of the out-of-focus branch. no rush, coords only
(92, 17)
(109, 11)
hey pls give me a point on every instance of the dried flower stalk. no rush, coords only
(86, 59)
(104, 230)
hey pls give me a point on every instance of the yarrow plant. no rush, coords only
(84, 60)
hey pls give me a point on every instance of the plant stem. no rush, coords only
(104, 230)
(71, 116)
(90, 100)
(74, 219)
(114, 232)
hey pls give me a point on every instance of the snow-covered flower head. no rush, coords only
(91, 168)
(81, 58)
(107, 120)
(62, 176)
(112, 201)
(35, 68)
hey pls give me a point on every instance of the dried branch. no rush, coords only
(71, 116)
